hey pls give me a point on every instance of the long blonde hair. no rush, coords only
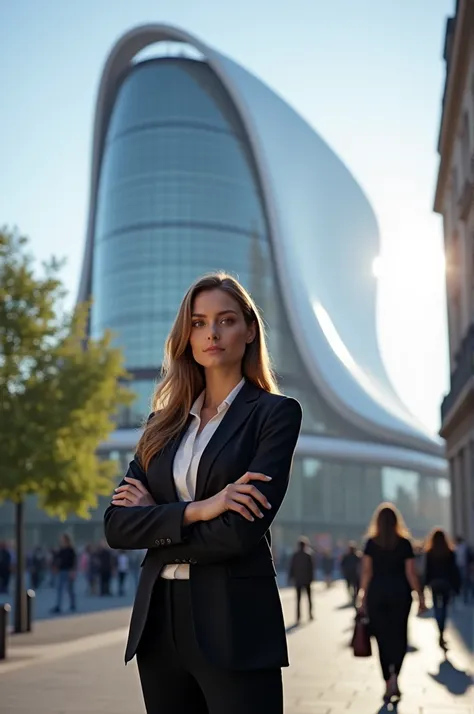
(183, 378)
(387, 526)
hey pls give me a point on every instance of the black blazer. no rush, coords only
(236, 605)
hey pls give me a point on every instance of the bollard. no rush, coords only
(30, 599)
(4, 610)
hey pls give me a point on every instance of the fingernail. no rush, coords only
(269, 505)
(260, 515)
(269, 478)
(252, 518)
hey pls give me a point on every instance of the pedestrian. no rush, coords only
(350, 570)
(463, 557)
(327, 566)
(65, 566)
(301, 575)
(106, 562)
(442, 575)
(37, 567)
(93, 570)
(210, 473)
(387, 581)
(123, 565)
(51, 558)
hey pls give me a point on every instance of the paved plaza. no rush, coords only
(75, 665)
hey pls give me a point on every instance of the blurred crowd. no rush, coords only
(381, 579)
(102, 571)
(344, 563)
(108, 573)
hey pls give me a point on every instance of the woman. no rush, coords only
(65, 565)
(210, 473)
(442, 576)
(387, 580)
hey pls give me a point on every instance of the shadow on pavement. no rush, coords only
(387, 708)
(463, 622)
(345, 606)
(456, 681)
(297, 626)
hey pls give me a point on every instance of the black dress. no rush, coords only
(389, 601)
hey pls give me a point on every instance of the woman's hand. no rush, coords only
(133, 493)
(421, 605)
(241, 497)
(362, 609)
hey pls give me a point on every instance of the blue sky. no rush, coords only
(368, 76)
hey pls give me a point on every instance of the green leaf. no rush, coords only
(59, 389)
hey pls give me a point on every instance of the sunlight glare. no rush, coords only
(377, 266)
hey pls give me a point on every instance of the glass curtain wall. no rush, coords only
(178, 197)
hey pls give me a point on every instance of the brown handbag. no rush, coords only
(361, 638)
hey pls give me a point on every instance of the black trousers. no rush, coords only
(353, 589)
(388, 614)
(176, 677)
(299, 590)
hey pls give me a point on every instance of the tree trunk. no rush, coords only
(21, 616)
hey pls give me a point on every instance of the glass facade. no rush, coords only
(331, 501)
(178, 197)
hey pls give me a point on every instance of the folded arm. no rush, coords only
(231, 535)
(139, 527)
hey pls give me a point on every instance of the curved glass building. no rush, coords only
(198, 166)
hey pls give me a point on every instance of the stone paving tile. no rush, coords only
(320, 655)
(324, 677)
(63, 628)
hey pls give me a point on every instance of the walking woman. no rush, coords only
(442, 576)
(209, 475)
(388, 579)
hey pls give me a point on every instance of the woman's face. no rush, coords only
(219, 333)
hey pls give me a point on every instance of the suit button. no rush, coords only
(157, 542)
(168, 541)
(193, 561)
(162, 541)
(177, 561)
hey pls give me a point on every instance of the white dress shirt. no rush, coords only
(186, 462)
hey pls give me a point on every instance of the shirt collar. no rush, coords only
(198, 404)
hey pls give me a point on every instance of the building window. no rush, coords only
(465, 148)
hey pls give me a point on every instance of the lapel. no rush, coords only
(236, 415)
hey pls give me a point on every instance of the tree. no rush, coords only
(59, 393)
